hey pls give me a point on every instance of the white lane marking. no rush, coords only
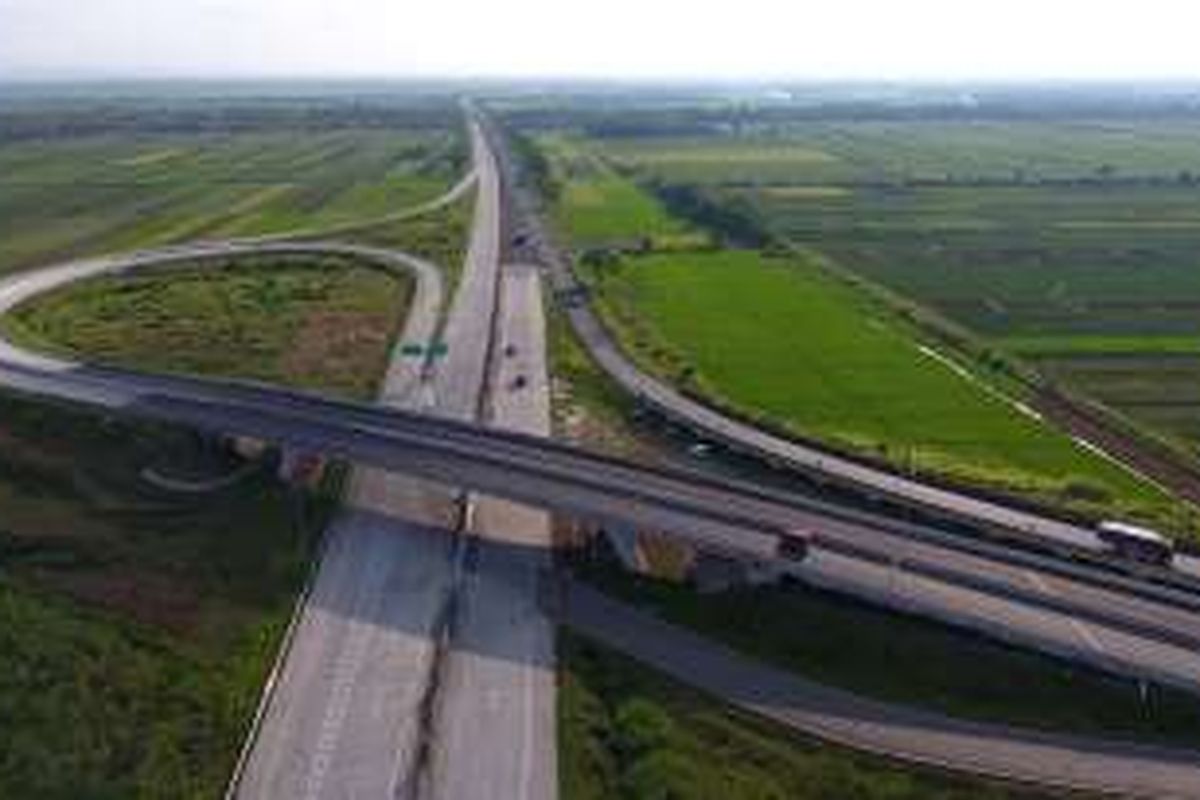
(1039, 582)
(525, 781)
(1084, 631)
(349, 663)
(1087, 635)
(469, 506)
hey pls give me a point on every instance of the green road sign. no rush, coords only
(415, 350)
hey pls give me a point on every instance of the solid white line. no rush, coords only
(525, 781)
(1083, 630)
(1039, 582)
(346, 670)
(1087, 635)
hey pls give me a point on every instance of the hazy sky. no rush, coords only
(619, 38)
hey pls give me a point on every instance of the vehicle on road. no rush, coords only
(510, 350)
(519, 382)
(1136, 543)
(795, 544)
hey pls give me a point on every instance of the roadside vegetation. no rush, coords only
(628, 732)
(136, 626)
(323, 323)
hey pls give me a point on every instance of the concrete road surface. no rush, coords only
(496, 722)
(344, 716)
(349, 713)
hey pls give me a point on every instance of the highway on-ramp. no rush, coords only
(1051, 760)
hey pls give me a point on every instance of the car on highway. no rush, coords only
(519, 382)
(794, 544)
(1136, 543)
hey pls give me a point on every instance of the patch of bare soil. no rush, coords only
(42, 455)
(338, 349)
(151, 598)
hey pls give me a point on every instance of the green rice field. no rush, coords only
(1098, 287)
(778, 338)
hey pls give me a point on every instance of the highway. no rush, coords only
(434, 434)
(492, 719)
(386, 688)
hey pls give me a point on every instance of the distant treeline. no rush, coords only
(123, 118)
(538, 173)
(732, 220)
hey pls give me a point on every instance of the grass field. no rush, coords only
(104, 193)
(628, 732)
(318, 323)
(779, 339)
(135, 630)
